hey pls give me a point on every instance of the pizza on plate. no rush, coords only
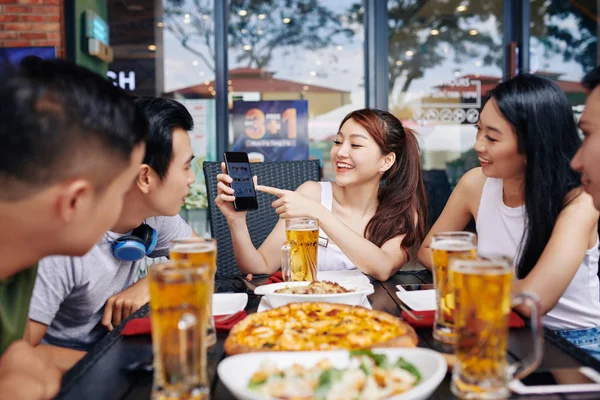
(318, 326)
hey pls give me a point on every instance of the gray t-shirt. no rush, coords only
(70, 292)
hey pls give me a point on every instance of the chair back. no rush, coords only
(283, 175)
(437, 190)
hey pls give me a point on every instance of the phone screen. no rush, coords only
(238, 168)
(558, 376)
(242, 179)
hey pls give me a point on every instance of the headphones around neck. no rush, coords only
(141, 242)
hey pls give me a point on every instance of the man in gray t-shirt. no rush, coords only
(70, 292)
(77, 300)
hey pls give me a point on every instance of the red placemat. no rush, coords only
(514, 321)
(142, 326)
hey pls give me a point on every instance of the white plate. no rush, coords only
(418, 300)
(235, 372)
(352, 276)
(264, 305)
(229, 303)
(279, 299)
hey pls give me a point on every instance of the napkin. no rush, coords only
(418, 300)
(514, 320)
(137, 326)
(226, 322)
(275, 278)
(142, 326)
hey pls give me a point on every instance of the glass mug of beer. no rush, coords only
(178, 315)
(444, 246)
(299, 252)
(482, 289)
(197, 251)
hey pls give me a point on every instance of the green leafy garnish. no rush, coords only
(366, 369)
(326, 380)
(255, 384)
(379, 359)
(409, 367)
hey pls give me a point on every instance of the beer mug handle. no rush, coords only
(527, 365)
(189, 343)
(286, 268)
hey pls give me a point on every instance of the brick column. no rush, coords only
(31, 23)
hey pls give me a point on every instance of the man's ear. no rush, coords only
(74, 197)
(144, 178)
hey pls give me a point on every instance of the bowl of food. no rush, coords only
(389, 373)
(279, 294)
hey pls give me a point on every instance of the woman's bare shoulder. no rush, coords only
(310, 189)
(469, 189)
(580, 201)
(472, 182)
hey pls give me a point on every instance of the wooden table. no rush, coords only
(103, 373)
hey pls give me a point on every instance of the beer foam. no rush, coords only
(452, 245)
(478, 267)
(192, 248)
(302, 227)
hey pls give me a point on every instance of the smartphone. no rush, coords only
(238, 167)
(415, 286)
(558, 380)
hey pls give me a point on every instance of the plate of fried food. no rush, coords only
(279, 294)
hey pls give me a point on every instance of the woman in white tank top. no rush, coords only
(528, 205)
(369, 217)
(330, 257)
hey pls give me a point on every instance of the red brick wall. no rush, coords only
(30, 23)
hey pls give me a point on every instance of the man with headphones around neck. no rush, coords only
(78, 300)
(70, 145)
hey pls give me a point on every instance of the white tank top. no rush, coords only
(500, 231)
(330, 257)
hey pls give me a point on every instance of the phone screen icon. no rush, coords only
(242, 179)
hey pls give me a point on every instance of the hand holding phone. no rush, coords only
(238, 169)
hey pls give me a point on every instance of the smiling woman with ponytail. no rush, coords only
(370, 217)
(402, 204)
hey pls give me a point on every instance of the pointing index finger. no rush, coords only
(270, 190)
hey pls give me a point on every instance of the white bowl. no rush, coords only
(228, 303)
(235, 372)
(279, 299)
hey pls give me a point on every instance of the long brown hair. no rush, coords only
(402, 192)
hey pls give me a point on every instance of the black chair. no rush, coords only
(437, 190)
(283, 175)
